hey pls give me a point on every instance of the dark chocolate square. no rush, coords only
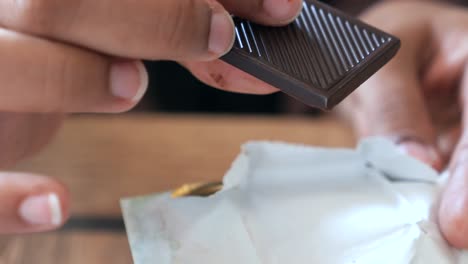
(320, 58)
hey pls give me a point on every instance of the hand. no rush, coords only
(83, 56)
(419, 100)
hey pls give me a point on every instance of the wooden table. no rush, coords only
(104, 158)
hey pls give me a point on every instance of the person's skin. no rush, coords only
(419, 99)
(83, 56)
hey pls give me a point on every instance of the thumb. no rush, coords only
(31, 203)
(144, 29)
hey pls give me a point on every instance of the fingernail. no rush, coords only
(221, 37)
(128, 80)
(426, 154)
(283, 10)
(41, 210)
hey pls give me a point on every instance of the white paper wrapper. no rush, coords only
(295, 204)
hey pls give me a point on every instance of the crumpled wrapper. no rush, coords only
(283, 203)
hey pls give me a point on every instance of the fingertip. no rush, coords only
(453, 211)
(453, 216)
(454, 230)
(63, 200)
(128, 80)
(283, 11)
(42, 211)
(31, 203)
(144, 81)
(46, 208)
(424, 153)
(222, 34)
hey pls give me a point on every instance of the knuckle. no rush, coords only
(178, 25)
(184, 27)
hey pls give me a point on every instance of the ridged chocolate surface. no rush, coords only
(320, 58)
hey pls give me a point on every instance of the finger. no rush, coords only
(272, 12)
(391, 103)
(148, 29)
(447, 142)
(31, 203)
(453, 211)
(24, 134)
(223, 76)
(58, 78)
